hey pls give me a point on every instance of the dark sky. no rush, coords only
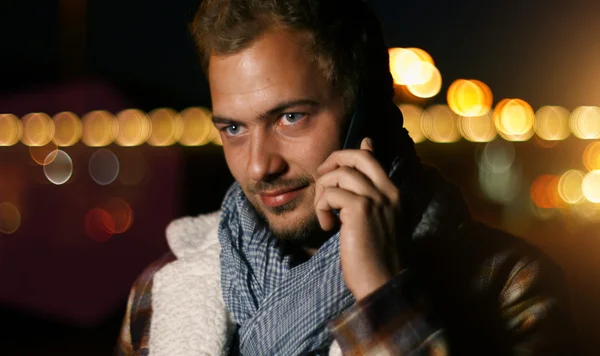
(546, 52)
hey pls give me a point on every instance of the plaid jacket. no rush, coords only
(467, 290)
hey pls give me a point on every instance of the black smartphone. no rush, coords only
(355, 134)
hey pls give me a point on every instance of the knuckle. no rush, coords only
(395, 197)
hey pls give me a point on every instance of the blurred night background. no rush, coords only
(502, 96)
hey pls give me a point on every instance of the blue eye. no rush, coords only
(232, 130)
(292, 118)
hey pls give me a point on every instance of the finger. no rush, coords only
(364, 162)
(333, 199)
(351, 180)
(366, 144)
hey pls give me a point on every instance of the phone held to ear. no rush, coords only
(355, 133)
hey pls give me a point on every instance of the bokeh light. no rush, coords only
(552, 123)
(99, 225)
(499, 186)
(569, 187)
(477, 129)
(514, 120)
(120, 216)
(44, 155)
(439, 124)
(412, 121)
(98, 128)
(104, 166)
(544, 192)
(429, 88)
(591, 156)
(38, 129)
(217, 140)
(196, 126)
(167, 127)
(60, 169)
(10, 218)
(591, 186)
(469, 98)
(410, 66)
(11, 129)
(585, 122)
(586, 211)
(131, 128)
(423, 55)
(497, 156)
(68, 129)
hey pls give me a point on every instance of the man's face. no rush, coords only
(279, 119)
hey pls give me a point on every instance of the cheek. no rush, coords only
(235, 163)
(318, 148)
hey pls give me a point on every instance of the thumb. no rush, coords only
(367, 144)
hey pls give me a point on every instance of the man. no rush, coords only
(318, 250)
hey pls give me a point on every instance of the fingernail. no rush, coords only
(369, 142)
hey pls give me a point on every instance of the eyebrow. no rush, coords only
(280, 108)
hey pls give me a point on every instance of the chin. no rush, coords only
(295, 221)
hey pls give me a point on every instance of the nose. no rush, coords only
(265, 160)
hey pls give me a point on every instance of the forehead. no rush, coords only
(276, 67)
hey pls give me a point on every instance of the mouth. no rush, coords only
(280, 197)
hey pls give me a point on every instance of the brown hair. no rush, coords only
(345, 38)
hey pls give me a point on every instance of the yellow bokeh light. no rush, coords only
(98, 128)
(585, 122)
(166, 129)
(439, 124)
(591, 156)
(196, 126)
(514, 120)
(552, 123)
(68, 129)
(469, 98)
(591, 186)
(38, 129)
(431, 87)
(11, 129)
(407, 67)
(131, 128)
(412, 121)
(423, 55)
(10, 218)
(477, 129)
(569, 187)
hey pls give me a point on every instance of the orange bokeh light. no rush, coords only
(544, 192)
(166, 129)
(98, 128)
(429, 88)
(469, 98)
(120, 216)
(196, 126)
(38, 129)
(514, 119)
(11, 129)
(591, 156)
(131, 128)
(68, 129)
(44, 155)
(99, 225)
(410, 66)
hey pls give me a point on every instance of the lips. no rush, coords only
(281, 197)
